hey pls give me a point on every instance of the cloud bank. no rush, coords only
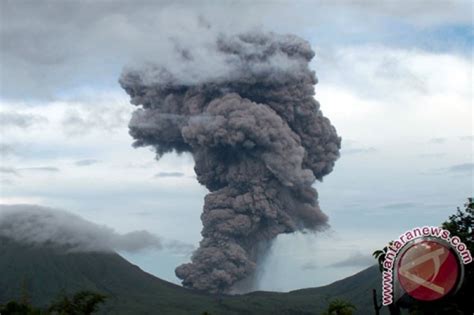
(37, 225)
(49, 41)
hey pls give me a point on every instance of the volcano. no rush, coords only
(46, 271)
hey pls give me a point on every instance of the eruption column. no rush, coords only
(258, 138)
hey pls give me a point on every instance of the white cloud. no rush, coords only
(401, 94)
(19, 120)
(31, 224)
(39, 45)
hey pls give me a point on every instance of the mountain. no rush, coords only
(44, 272)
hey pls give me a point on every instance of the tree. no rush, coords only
(81, 303)
(22, 306)
(379, 254)
(461, 224)
(377, 305)
(19, 308)
(340, 307)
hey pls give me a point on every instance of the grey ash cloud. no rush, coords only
(37, 225)
(243, 106)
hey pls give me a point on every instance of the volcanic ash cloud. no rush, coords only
(259, 141)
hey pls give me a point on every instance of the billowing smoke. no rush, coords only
(259, 141)
(42, 226)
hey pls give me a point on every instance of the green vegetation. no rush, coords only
(19, 308)
(462, 224)
(340, 307)
(45, 272)
(81, 303)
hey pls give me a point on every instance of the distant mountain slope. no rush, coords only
(356, 289)
(47, 271)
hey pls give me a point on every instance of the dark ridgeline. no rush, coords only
(42, 272)
(258, 138)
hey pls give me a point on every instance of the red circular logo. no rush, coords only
(428, 270)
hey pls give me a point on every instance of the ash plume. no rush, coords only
(258, 138)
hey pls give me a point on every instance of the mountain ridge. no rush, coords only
(45, 272)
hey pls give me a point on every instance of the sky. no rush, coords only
(395, 79)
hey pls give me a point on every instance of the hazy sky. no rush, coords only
(395, 79)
